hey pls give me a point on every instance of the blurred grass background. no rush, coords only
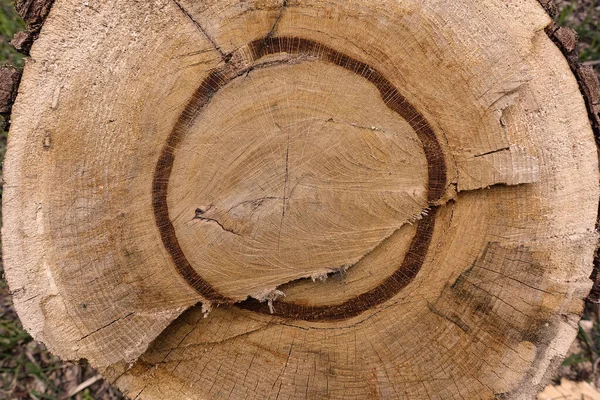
(29, 371)
(10, 23)
(584, 17)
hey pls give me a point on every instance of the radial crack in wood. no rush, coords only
(303, 198)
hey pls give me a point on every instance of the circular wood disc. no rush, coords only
(302, 199)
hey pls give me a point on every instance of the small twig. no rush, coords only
(592, 62)
(82, 386)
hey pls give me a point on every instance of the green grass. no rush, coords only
(590, 344)
(10, 23)
(584, 17)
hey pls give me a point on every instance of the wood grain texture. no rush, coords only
(350, 199)
(566, 39)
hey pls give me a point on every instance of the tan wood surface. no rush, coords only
(302, 199)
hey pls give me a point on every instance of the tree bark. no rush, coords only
(303, 199)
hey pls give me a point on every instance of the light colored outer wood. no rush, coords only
(493, 307)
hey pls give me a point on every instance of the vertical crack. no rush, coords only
(224, 56)
(285, 183)
(274, 27)
(271, 32)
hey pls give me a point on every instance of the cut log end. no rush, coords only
(303, 199)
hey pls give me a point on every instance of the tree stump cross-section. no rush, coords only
(303, 198)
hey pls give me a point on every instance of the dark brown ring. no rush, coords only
(392, 98)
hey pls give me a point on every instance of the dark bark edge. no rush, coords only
(34, 13)
(566, 40)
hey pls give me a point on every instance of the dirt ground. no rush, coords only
(29, 371)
